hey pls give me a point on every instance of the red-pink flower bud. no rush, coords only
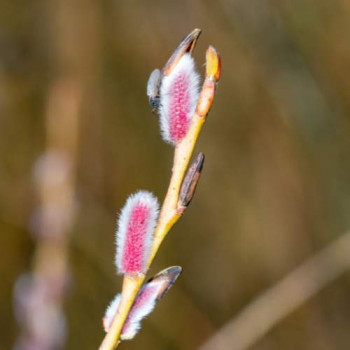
(178, 99)
(134, 236)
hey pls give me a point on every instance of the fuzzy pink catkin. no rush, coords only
(143, 306)
(134, 236)
(178, 98)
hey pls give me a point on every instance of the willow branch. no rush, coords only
(169, 213)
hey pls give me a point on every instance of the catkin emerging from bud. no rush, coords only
(143, 306)
(154, 290)
(178, 99)
(134, 236)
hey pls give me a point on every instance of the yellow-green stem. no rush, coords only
(167, 218)
(131, 286)
(182, 156)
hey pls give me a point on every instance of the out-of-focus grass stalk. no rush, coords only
(57, 198)
(282, 299)
(40, 314)
(170, 212)
(42, 320)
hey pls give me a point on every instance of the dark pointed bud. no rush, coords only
(186, 46)
(166, 278)
(190, 182)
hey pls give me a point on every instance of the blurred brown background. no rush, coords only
(276, 184)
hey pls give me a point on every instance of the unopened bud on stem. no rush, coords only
(190, 182)
(213, 64)
(212, 76)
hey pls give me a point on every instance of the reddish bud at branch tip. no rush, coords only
(213, 64)
(213, 71)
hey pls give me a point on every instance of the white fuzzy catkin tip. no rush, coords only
(143, 306)
(134, 236)
(110, 313)
(178, 98)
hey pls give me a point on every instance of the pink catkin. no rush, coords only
(133, 255)
(134, 236)
(145, 301)
(178, 98)
(179, 107)
(144, 304)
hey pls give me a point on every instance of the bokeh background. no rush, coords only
(274, 191)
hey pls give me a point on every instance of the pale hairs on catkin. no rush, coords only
(134, 236)
(143, 306)
(178, 98)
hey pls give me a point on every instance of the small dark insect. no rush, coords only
(153, 87)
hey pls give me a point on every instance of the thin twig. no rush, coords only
(271, 307)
